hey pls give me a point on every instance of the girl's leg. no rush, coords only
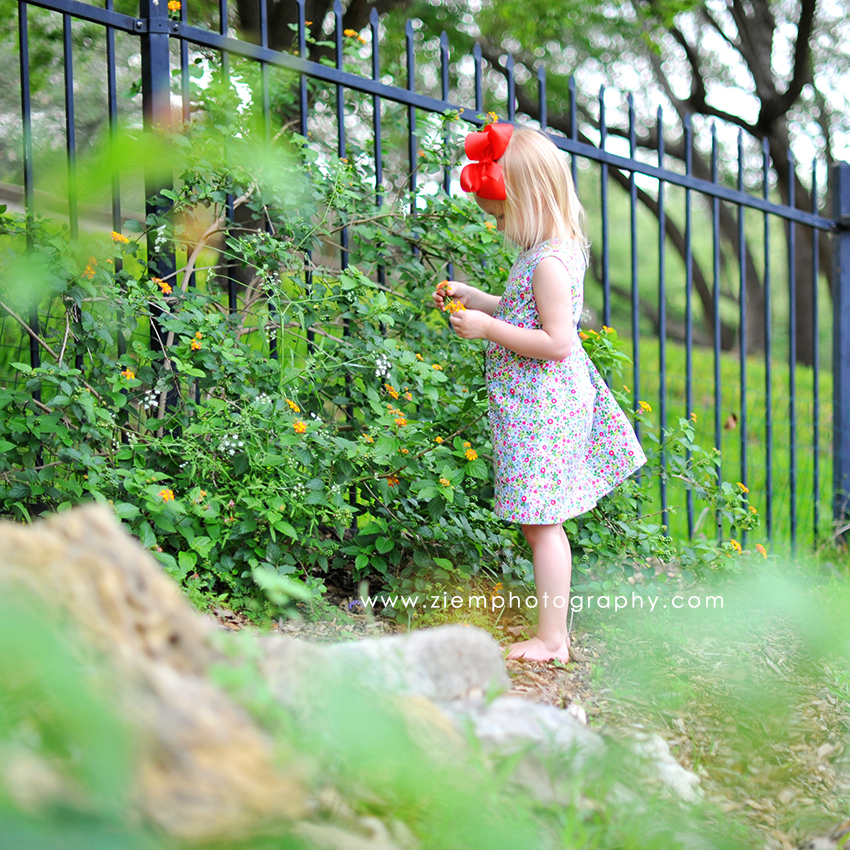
(552, 572)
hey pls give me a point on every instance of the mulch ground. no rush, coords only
(786, 792)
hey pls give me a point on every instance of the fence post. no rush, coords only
(156, 110)
(840, 179)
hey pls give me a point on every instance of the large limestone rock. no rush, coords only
(204, 768)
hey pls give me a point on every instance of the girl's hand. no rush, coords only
(459, 292)
(471, 324)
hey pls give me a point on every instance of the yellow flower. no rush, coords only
(693, 417)
(594, 332)
(88, 273)
(419, 357)
(203, 493)
(299, 426)
(753, 510)
(368, 438)
(292, 405)
(129, 374)
(761, 549)
(117, 237)
(438, 439)
(453, 306)
(743, 488)
(392, 481)
(167, 495)
(408, 396)
(626, 388)
(437, 366)
(401, 421)
(165, 287)
(493, 117)
(351, 33)
(645, 406)
(445, 482)
(404, 451)
(198, 335)
(391, 391)
(583, 335)
(607, 329)
(174, 5)
(736, 546)
(466, 444)
(196, 345)
(489, 225)
(471, 454)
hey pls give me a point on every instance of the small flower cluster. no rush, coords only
(292, 405)
(150, 400)
(262, 399)
(165, 287)
(382, 367)
(471, 454)
(229, 445)
(129, 374)
(736, 546)
(299, 427)
(437, 366)
(453, 306)
(119, 238)
(167, 495)
(392, 481)
(354, 34)
(392, 391)
(445, 482)
(644, 408)
(196, 342)
(299, 491)
(88, 272)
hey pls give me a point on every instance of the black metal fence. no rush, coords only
(764, 450)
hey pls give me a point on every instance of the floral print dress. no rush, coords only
(560, 440)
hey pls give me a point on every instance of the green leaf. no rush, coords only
(146, 535)
(6, 446)
(384, 545)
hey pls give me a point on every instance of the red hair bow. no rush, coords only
(485, 177)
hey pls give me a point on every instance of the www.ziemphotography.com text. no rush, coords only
(576, 603)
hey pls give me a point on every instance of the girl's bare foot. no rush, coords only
(536, 650)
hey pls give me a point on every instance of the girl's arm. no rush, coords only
(483, 301)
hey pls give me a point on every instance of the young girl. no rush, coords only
(560, 441)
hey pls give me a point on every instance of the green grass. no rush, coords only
(777, 503)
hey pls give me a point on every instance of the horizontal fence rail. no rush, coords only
(728, 401)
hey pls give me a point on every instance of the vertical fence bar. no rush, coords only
(509, 75)
(156, 109)
(715, 229)
(340, 132)
(264, 73)
(70, 125)
(26, 121)
(222, 28)
(185, 82)
(303, 130)
(71, 155)
(815, 359)
(634, 268)
(792, 353)
(376, 125)
(411, 112)
(742, 318)
(302, 81)
(603, 185)
(476, 64)
(662, 318)
(541, 96)
(768, 363)
(115, 181)
(444, 93)
(840, 178)
(689, 307)
(574, 131)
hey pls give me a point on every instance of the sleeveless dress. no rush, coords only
(560, 440)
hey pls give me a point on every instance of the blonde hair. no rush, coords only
(541, 203)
